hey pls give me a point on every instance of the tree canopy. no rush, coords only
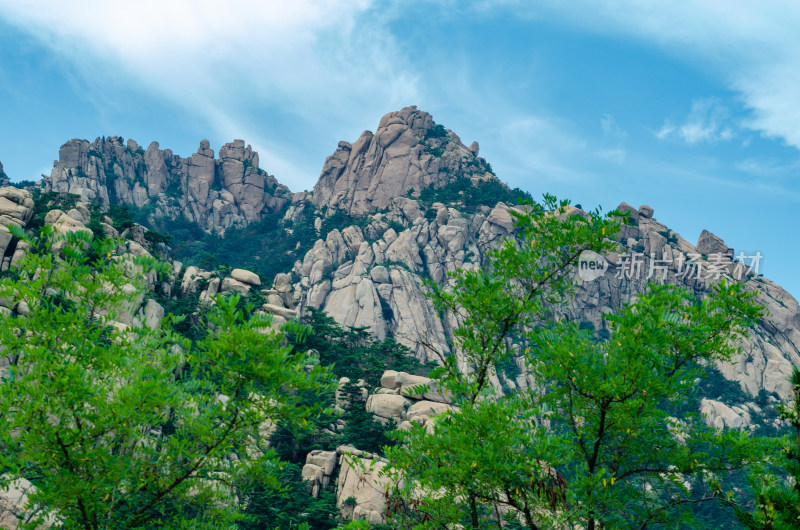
(125, 426)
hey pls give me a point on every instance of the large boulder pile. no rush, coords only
(371, 276)
(405, 399)
(361, 487)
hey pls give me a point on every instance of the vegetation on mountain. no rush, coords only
(595, 444)
(132, 427)
(777, 487)
(266, 247)
(461, 191)
(611, 437)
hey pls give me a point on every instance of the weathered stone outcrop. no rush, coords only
(408, 151)
(378, 284)
(361, 488)
(215, 193)
(16, 208)
(721, 416)
(15, 508)
(319, 469)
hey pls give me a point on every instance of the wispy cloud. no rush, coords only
(538, 146)
(767, 168)
(616, 155)
(615, 135)
(709, 121)
(240, 66)
(611, 129)
(752, 46)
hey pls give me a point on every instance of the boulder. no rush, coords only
(325, 460)
(633, 213)
(379, 274)
(245, 276)
(153, 314)
(233, 285)
(426, 408)
(288, 314)
(719, 415)
(282, 285)
(14, 508)
(361, 488)
(645, 211)
(16, 206)
(708, 244)
(63, 223)
(388, 406)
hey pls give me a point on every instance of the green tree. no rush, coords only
(132, 427)
(593, 444)
(778, 496)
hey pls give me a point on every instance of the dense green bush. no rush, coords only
(472, 197)
(43, 202)
(354, 352)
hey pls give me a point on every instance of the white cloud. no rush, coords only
(707, 122)
(753, 46)
(612, 134)
(321, 62)
(665, 131)
(616, 155)
(611, 129)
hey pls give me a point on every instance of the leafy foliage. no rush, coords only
(472, 197)
(354, 353)
(22, 184)
(778, 493)
(289, 505)
(265, 247)
(595, 445)
(133, 427)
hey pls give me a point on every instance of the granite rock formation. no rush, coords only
(407, 152)
(214, 193)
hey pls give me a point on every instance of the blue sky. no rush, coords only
(690, 107)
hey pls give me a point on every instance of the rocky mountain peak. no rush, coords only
(214, 193)
(407, 153)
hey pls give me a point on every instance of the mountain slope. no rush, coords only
(406, 203)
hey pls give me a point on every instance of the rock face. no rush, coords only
(14, 509)
(16, 208)
(214, 193)
(361, 489)
(407, 152)
(371, 275)
(3, 177)
(719, 415)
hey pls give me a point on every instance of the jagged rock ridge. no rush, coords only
(214, 193)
